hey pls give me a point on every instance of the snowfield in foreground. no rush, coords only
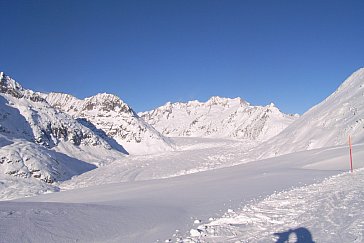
(331, 211)
(152, 210)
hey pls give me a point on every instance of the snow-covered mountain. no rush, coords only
(21, 158)
(327, 124)
(39, 141)
(108, 113)
(219, 117)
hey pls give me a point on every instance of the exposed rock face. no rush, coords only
(110, 114)
(219, 117)
(37, 121)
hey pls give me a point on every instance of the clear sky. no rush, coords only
(293, 53)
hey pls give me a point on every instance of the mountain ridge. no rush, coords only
(210, 119)
(40, 142)
(326, 124)
(118, 120)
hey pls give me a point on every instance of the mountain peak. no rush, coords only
(217, 100)
(105, 96)
(10, 86)
(107, 102)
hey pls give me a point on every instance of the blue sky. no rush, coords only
(292, 53)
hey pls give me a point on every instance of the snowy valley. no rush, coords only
(216, 171)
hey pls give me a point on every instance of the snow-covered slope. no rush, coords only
(147, 211)
(21, 158)
(111, 115)
(330, 211)
(326, 124)
(38, 141)
(25, 114)
(218, 117)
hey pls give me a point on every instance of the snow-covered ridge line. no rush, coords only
(13, 88)
(329, 123)
(74, 106)
(110, 114)
(38, 141)
(9, 85)
(214, 100)
(218, 117)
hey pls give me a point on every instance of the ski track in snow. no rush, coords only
(332, 211)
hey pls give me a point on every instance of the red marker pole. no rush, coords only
(351, 155)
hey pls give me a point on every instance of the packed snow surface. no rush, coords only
(330, 211)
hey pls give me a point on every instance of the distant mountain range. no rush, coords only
(52, 137)
(219, 117)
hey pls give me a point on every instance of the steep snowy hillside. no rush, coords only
(38, 141)
(110, 114)
(24, 114)
(218, 117)
(326, 124)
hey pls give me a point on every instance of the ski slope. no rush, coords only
(151, 210)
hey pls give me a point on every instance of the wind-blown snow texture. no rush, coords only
(219, 117)
(116, 119)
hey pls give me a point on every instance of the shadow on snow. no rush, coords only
(299, 235)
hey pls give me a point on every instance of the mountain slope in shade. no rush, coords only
(218, 117)
(115, 118)
(21, 158)
(40, 142)
(326, 124)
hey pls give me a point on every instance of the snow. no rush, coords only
(330, 211)
(112, 116)
(326, 124)
(155, 209)
(218, 117)
(206, 189)
(39, 142)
